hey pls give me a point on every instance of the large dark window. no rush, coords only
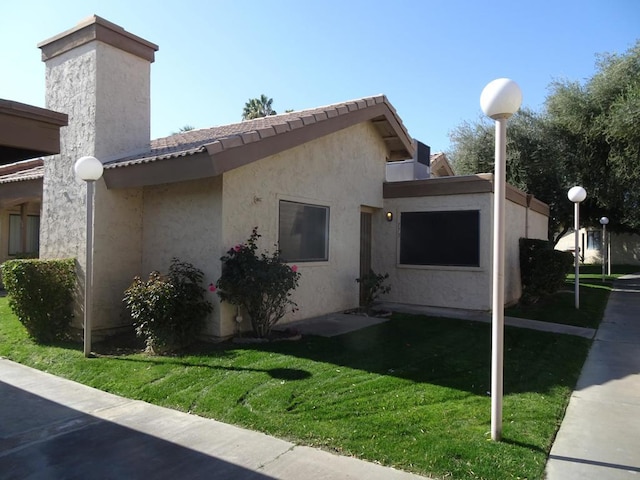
(440, 238)
(303, 232)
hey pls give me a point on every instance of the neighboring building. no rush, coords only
(438, 249)
(312, 181)
(421, 166)
(440, 166)
(25, 132)
(624, 248)
(20, 198)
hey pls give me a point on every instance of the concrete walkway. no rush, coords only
(600, 435)
(52, 428)
(486, 318)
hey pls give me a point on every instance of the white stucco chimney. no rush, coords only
(98, 74)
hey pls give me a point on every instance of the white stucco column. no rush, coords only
(98, 74)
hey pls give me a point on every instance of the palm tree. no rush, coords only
(258, 107)
(186, 128)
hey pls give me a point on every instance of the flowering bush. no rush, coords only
(168, 310)
(372, 287)
(262, 284)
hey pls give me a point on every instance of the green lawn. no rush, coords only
(560, 308)
(411, 393)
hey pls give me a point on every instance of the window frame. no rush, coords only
(327, 236)
(326, 233)
(13, 253)
(594, 237)
(477, 257)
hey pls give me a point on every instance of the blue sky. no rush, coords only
(432, 58)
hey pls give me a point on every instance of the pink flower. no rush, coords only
(238, 247)
(294, 268)
(212, 287)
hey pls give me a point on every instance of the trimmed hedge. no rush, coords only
(543, 270)
(41, 295)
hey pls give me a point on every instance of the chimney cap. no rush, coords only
(97, 28)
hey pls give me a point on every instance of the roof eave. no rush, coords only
(27, 131)
(233, 152)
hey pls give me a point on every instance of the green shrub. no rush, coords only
(41, 295)
(542, 269)
(262, 284)
(169, 311)
(372, 287)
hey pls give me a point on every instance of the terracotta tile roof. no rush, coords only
(440, 165)
(22, 171)
(225, 137)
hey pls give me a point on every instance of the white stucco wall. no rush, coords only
(117, 252)
(183, 220)
(105, 92)
(123, 104)
(457, 287)
(343, 171)
(453, 287)
(70, 88)
(515, 229)
(538, 226)
(625, 247)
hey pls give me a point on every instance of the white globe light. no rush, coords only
(604, 221)
(88, 168)
(577, 194)
(501, 98)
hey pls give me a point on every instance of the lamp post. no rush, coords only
(577, 194)
(499, 100)
(88, 169)
(604, 221)
(609, 255)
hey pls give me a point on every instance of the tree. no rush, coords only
(258, 107)
(185, 128)
(600, 123)
(534, 163)
(587, 134)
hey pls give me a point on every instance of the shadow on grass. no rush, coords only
(528, 446)
(560, 307)
(446, 352)
(291, 374)
(451, 353)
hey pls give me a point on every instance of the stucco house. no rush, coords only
(421, 166)
(623, 248)
(312, 181)
(25, 132)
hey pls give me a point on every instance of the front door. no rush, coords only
(365, 246)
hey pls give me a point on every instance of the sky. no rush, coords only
(431, 58)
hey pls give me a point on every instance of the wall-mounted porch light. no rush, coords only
(389, 216)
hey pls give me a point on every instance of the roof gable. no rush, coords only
(220, 149)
